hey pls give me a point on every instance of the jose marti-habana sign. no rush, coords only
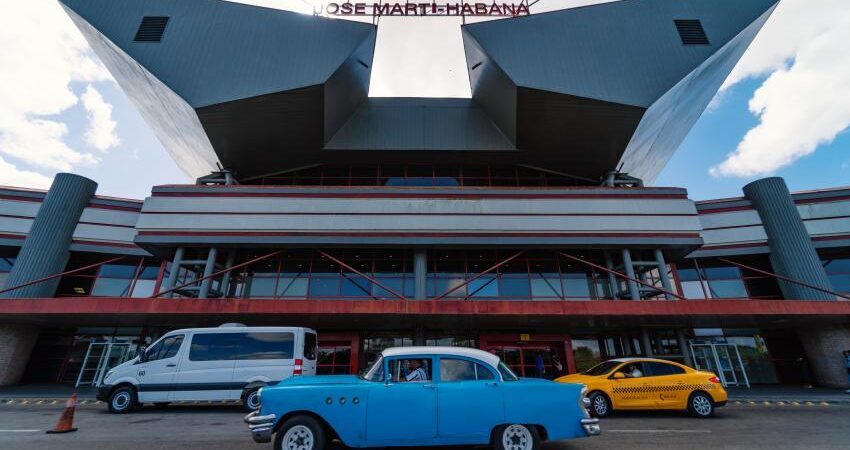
(424, 9)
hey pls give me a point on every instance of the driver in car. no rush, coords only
(633, 372)
(417, 373)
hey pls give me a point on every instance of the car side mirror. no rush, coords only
(618, 375)
(143, 356)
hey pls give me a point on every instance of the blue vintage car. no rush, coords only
(417, 396)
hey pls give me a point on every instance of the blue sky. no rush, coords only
(784, 111)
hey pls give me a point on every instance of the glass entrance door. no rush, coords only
(524, 360)
(722, 359)
(102, 356)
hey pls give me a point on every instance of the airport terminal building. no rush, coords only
(523, 220)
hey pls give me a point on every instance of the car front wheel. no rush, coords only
(516, 437)
(300, 433)
(600, 406)
(700, 405)
(122, 400)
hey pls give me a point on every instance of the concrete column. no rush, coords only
(823, 346)
(683, 345)
(612, 279)
(634, 291)
(209, 268)
(791, 251)
(45, 250)
(172, 274)
(420, 274)
(648, 351)
(16, 343)
(662, 272)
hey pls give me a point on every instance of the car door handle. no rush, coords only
(429, 386)
(492, 384)
(171, 365)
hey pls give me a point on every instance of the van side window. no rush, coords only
(311, 346)
(244, 346)
(166, 348)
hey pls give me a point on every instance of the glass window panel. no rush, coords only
(727, 289)
(840, 283)
(456, 370)
(292, 287)
(722, 273)
(149, 272)
(6, 264)
(355, 286)
(484, 286)
(445, 284)
(686, 274)
(324, 287)
(117, 270)
(394, 283)
(837, 265)
(514, 287)
(262, 287)
(343, 355)
(576, 285)
(547, 285)
(110, 287)
(3, 277)
(143, 288)
(692, 289)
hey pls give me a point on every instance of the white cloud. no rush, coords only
(101, 131)
(805, 101)
(11, 176)
(41, 56)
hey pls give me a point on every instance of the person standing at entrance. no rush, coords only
(538, 363)
(847, 366)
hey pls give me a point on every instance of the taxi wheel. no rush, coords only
(700, 405)
(600, 406)
(300, 433)
(516, 437)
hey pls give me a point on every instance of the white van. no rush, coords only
(230, 362)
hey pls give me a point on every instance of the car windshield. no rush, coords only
(375, 372)
(603, 368)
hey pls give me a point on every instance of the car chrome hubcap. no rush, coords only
(517, 437)
(298, 437)
(600, 405)
(121, 400)
(253, 400)
(702, 406)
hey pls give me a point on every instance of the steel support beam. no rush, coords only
(662, 272)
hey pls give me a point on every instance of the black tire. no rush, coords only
(302, 427)
(516, 437)
(251, 399)
(700, 405)
(161, 404)
(123, 400)
(600, 405)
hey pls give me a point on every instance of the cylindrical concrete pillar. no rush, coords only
(824, 345)
(791, 251)
(45, 250)
(420, 274)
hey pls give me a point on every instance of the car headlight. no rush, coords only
(584, 402)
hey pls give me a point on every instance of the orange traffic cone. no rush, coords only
(66, 421)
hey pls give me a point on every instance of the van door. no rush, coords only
(206, 370)
(265, 356)
(157, 373)
(310, 353)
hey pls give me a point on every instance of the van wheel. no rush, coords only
(251, 400)
(516, 437)
(122, 400)
(700, 405)
(300, 433)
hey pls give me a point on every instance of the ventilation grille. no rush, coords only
(151, 29)
(691, 32)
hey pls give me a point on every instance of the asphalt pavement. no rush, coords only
(213, 427)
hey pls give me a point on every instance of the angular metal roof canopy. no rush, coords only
(607, 83)
(263, 90)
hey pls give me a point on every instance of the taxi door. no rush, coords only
(631, 393)
(672, 390)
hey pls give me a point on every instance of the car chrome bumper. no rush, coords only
(261, 426)
(591, 426)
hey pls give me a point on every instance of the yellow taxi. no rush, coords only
(646, 383)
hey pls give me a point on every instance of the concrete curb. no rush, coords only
(784, 402)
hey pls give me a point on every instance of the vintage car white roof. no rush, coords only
(487, 357)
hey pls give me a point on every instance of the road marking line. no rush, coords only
(658, 431)
(19, 431)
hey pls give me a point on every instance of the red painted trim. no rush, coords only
(175, 307)
(835, 237)
(134, 209)
(725, 246)
(20, 198)
(104, 244)
(12, 236)
(211, 187)
(409, 234)
(838, 198)
(412, 195)
(723, 210)
(13, 216)
(300, 213)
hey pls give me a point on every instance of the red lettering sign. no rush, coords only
(425, 9)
